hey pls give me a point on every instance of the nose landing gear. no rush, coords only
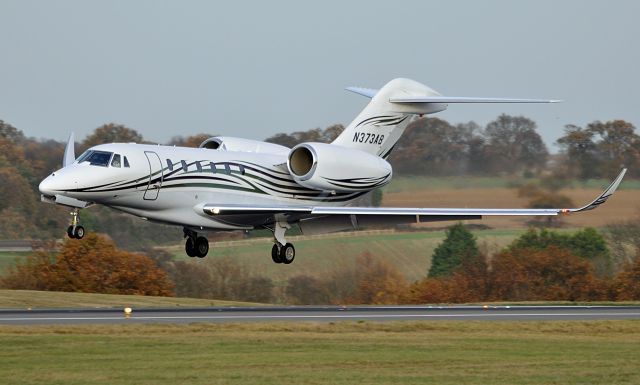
(195, 246)
(75, 231)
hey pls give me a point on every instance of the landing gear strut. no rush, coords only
(195, 246)
(282, 251)
(75, 231)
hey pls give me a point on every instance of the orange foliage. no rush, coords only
(627, 282)
(90, 265)
(377, 281)
(553, 274)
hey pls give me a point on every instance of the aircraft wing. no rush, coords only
(296, 213)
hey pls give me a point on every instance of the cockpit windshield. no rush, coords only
(96, 158)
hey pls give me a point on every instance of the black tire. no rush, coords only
(287, 253)
(70, 232)
(190, 247)
(78, 232)
(202, 247)
(275, 254)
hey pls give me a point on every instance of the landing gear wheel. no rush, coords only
(287, 253)
(202, 247)
(275, 254)
(78, 232)
(190, 247)
(70, 232)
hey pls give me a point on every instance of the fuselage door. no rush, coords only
(155, 176)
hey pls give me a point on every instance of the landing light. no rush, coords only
(216, 210)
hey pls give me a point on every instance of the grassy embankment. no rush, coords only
(554, 352)
(410, 252)
(23, 299)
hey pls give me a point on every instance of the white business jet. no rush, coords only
(239, 184)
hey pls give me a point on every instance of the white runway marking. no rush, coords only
(320, 316)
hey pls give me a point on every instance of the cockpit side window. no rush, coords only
(98, 158)
(115, 161)
(126, 162)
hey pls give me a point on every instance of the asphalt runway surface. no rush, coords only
(315, 314)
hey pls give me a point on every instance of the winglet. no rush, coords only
(604, 196)
(69, 151)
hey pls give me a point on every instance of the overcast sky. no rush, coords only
(253, 69)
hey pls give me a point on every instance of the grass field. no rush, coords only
(623, 206)
(440, 352)
(23, 299)
(8, 258)
(410, 252)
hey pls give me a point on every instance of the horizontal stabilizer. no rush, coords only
(368, 92)
(462, 99)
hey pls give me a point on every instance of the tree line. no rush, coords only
(540, 265)
(509, 145)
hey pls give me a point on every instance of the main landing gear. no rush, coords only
(282, 251)
(195, 246)
(75, 231)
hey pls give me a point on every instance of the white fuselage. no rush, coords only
(169, 184)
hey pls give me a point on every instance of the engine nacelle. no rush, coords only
(330, 167)
(228, 143)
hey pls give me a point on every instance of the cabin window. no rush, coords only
(213, 167)
(126, 162)
(98, 158)
(115, 161)
(227, 169)
(170, 164)
(241, 167)
(198, 166)
(184, 166)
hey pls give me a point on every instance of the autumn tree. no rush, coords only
(432, 146)
(112, 133)
(552, 274)
(601, 149)
(627, 282)
(305, 289)
(587, 243)
(513, 144)
(90, 265)
(458, 246)
(189, 141)
(326, 135)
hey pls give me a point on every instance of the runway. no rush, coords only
(316, 314)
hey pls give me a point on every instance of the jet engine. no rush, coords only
(329, 167)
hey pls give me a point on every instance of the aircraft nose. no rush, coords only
(48, 185)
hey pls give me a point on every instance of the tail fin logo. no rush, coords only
(383, 120)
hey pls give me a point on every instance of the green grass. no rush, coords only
(411, 183)
(410, 252)
(8, 258)
(23, 299)
(440, 352)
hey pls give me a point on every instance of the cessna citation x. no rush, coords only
(239, 184)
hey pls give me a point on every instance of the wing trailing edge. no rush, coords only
(306, 211)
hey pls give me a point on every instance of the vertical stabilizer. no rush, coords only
(379, 126)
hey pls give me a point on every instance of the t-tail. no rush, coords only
(379, 126)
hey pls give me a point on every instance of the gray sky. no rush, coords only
(252, 69)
